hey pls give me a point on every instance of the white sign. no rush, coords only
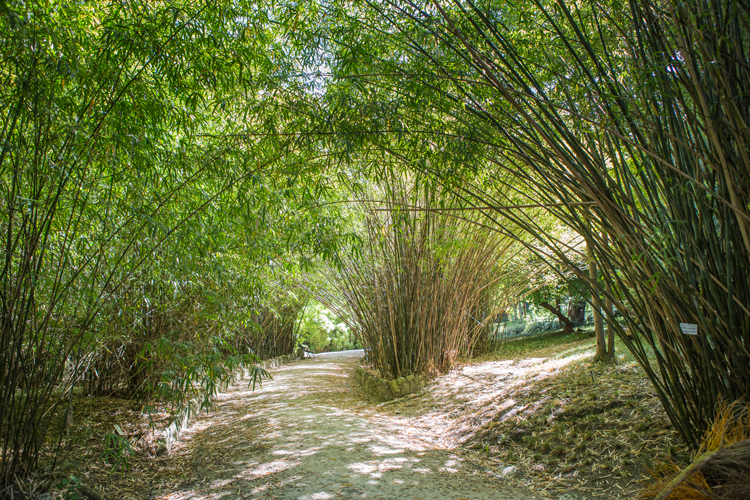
(689, 328)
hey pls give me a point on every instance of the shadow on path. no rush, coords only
(306, 435)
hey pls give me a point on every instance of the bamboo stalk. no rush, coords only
(419, 281)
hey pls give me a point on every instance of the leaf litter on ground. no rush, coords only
(539, 413)
(536, 415)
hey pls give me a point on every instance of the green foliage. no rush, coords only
(148, 188)
(115, 451)
(69, 485)
(188, 372)
(322, 330)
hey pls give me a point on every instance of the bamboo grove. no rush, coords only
(628, 121)
(179, 178)
(426, 289)
(140, 187)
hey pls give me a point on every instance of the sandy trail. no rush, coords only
(307, 435)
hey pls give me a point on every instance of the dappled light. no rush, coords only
(399, 249)
(306, 435)
(489, 388)
(310, 432)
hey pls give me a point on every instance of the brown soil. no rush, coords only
(305, 435)
(548, 426)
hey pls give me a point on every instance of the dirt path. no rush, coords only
(307, 435)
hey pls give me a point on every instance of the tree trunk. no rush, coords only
(610, 331)
(560, 316)
(601, 344)
(577, 312)
(610, 318)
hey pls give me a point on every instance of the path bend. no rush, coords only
(307, 435)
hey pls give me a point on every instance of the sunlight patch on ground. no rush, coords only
(475, 395)
(500, 378)
(220, 484)
(260, 489)
(360, 440)
(266, 469)
(384, 450)
(386, 466)
(299, 453)
(323, 495)
(376, 470)
(519, 369)
(362, 468)
(182, 495)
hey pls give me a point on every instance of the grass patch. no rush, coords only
(519, 346)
